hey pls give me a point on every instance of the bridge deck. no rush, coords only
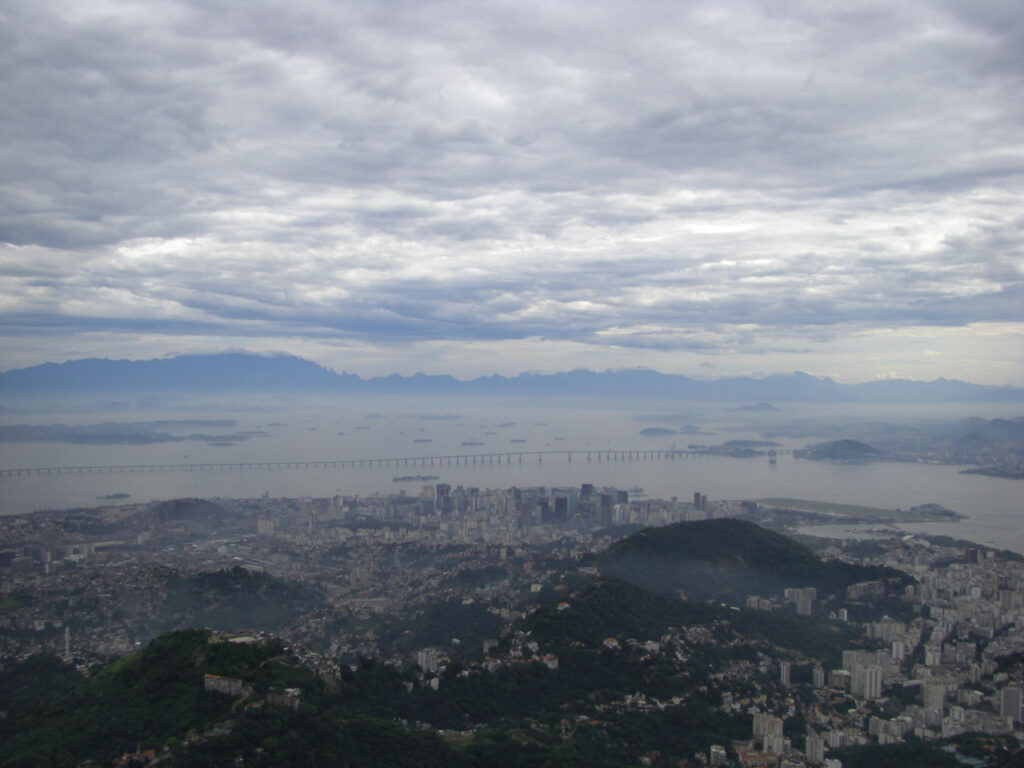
(463, 459)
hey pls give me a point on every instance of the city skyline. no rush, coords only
(711, 190)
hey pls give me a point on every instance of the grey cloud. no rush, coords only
(401, 171)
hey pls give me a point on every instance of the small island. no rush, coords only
(840, 450)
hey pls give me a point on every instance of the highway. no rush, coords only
(465, 459)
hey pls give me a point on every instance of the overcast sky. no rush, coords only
(488, 187)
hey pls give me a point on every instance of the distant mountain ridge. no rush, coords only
(258, 373)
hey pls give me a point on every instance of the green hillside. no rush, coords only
(235, 599)
(612, 608)
(524, 712)
(155, 699)
(725, 559)
(608, 608)
(151, 696)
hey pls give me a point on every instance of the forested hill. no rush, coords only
(725, 559)
(235, 599)
(274, 704)
(156, 698)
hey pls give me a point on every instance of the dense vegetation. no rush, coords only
(235, 599)
(439, 624)
(156, 698)
(563, 694)
(56, 718)
(725, 559)
(612, 608)
(523, 714)
(913, 754)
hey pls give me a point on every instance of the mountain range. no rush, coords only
(244, 372)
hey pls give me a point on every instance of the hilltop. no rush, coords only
(724, 559)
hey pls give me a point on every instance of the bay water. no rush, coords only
(413, 431)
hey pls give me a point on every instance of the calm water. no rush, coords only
(995, 506)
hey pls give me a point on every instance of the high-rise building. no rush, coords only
(573, 496)
(767, 725)
(784, 670)
(934, 696)
(443, 498)
(774, 745)
(560, 515)
(607, 508)
(1010, 703)
(873, 682)
(803, 598)
(814, 749)
(858, 679)
(427, 659)
(839, 678)
(543, 510)
(898, 650)
(818, 677)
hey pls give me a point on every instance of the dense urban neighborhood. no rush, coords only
(583, 625)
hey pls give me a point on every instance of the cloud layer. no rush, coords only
(479, 186)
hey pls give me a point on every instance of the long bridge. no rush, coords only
(465, 459)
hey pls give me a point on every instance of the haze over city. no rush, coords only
(703, 188)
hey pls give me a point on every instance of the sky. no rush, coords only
(708, 188)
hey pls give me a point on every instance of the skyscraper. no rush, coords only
(1010, 702)
(873, 682)
(814, 749)
(819, 677)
